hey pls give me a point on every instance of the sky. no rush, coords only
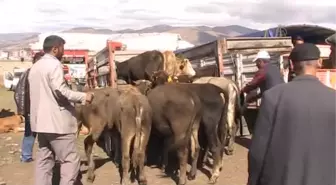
(46, 15)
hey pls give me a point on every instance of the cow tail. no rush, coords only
(221, 130)
(238, 111)
(137, 139)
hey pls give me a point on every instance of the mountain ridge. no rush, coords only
(194, 34)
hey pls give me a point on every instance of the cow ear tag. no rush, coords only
(170, 79)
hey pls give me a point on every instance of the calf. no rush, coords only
(11, 123)
(213, 120)
(176, 118)
(233, 105)
(143, 65)
(127, 110)
(135, 122)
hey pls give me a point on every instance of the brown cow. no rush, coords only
(125, 109)
(213, 125)
(11, 123)
(231, 92)
(145, 64)
(176, 119)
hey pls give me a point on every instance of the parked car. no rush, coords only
(11, 79)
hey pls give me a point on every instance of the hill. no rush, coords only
(193, 34)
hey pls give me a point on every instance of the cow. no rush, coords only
(143, 65)
(125, 109)
(233, 108)
(232, 95)
(211, 70)
(213, 122)
(176, 119)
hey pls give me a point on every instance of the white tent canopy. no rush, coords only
(133, 41)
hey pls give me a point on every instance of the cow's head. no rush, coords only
(160, 77)
(144, 86)
(185, 67)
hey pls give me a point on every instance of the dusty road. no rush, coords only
(15, 173)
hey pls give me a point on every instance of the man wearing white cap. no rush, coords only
(266, 77)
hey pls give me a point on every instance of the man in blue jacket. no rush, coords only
(22, 100)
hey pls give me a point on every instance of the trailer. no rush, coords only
(233, 58)
(101, 68)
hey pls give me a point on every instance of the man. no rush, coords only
(52, 115)
(297, 39)
(294, 139)
(21, 97)
(331, 40)
(266, 77)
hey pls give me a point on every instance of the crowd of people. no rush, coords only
(293, 141)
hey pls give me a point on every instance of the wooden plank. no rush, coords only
(247, 51)
(221, 45)
(238, 43)
(199, 52)
(246, 43)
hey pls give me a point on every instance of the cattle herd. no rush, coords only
(158, 100)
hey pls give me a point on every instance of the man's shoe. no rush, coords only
(27, 161)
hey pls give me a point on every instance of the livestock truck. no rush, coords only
(233, 58)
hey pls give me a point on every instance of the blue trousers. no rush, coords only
(27, 141)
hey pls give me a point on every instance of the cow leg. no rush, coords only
(182, 153)
(216, 147)
(217, 163)
(88, 144)
(231, 127)
(141, 158)
(116, 149)
(89, 141)
(166, 147)
(204, 157)
(195, 148)
(231, 140)
(125, 161)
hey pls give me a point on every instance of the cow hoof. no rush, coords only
(182, 182)
(90, 178)
(228, 151)
(191, 177)
(143, 182)
(213, 179)
(116, 164)
(125, 182)
(163, 168)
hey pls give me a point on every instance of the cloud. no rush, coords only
(45, 15)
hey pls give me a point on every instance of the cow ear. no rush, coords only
(153, 77)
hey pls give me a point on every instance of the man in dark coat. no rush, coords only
(296, 40)
(331, 40)
(22, 100)
(294, 139)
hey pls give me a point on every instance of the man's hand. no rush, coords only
(89, 97)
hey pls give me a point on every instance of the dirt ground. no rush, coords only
(15, 173)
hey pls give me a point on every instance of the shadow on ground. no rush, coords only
(243, 141)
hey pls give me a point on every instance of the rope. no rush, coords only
(279, 32)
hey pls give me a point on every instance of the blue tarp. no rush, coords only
(310, 33)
